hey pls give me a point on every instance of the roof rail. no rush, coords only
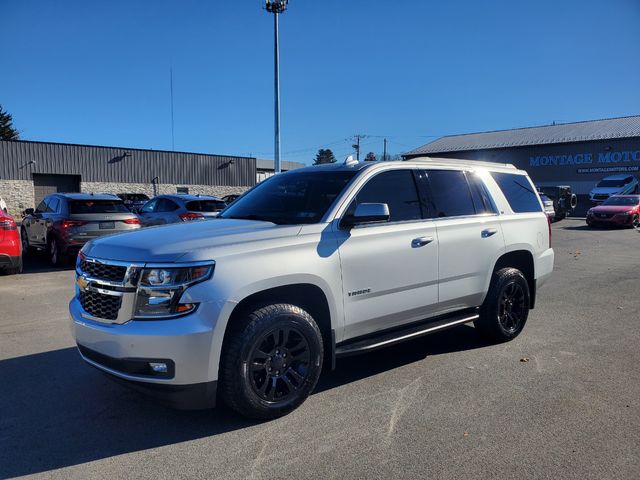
(462, 161)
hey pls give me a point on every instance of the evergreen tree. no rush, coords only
(7, 132)
(324, 156)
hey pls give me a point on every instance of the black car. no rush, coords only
(564, 200)
(63, 222)
(228, 199)
(133, 201)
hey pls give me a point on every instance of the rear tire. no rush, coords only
(506, 308)
(24, 238)
(271, 361)
(56, 257)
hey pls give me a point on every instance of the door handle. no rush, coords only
(486, 233)
(421, 242)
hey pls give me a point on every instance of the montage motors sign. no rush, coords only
(609, 161)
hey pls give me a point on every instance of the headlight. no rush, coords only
(160, 290)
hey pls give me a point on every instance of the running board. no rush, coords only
(398, 336)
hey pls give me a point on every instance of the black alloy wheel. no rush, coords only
(271, 360)
(512, 307)
(506, 307)
(279, 364)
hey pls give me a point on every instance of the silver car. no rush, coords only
(165, 209)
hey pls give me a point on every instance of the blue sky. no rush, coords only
(97, 72)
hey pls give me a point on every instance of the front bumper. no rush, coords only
(124, 351)
(620, 221)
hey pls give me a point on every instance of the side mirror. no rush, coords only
(27, 211)
(367, 213)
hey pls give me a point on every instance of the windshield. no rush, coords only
(77, 207)
(611, 183)
(290, 198)
(622, 201)
(205, 205)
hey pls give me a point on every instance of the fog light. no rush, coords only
(158, 367)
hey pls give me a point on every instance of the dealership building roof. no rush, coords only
(606, 129)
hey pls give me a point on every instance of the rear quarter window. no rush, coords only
(519, 193)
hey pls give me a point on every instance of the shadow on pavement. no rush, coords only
(56, 412)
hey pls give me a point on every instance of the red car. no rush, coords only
(10, 245)
(618, 210)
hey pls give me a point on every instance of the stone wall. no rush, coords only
(160, 189)
(18, 194)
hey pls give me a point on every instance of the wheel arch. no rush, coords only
(523, 261)
(308, 296)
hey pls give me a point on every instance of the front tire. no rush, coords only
(635, 221)
(506, 308)
(271, 361)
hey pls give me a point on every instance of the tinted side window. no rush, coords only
(481, 200)
(150, 206)
(53, 204)
(166, 205)
(42, 207)
(397, 189)
(518, 191)
(450, 193)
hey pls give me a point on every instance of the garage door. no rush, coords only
(43, 185)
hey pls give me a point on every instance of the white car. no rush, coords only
(307, 267)
(3, 206)
(613, 185)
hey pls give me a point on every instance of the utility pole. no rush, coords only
(384, 155)
(276, 7)
(173, 143)
(356, 145)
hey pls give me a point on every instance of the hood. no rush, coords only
(607, 190)
(193, 239)
(612, 208)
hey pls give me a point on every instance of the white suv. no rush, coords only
(309, 266)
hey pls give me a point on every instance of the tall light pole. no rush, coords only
(276, 7)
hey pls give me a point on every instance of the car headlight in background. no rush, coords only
(160, 289)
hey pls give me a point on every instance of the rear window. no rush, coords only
(206, 205)
(518, 191)
(79, 207)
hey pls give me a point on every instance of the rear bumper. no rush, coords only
(544, 266)
(9, 261)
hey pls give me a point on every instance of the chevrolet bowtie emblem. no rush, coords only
(82, 283)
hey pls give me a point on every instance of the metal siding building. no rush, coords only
(577, 154)
(28, 170)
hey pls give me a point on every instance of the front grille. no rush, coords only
(100, 305)
(604, 215)
(102, 271)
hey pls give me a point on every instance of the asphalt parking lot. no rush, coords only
(445, 406)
